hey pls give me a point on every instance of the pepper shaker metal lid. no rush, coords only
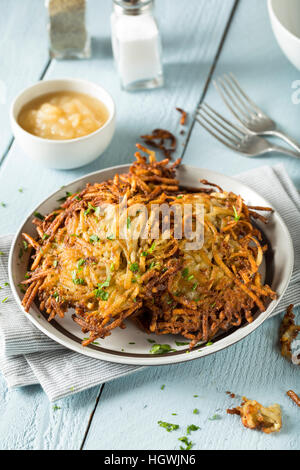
(133, 7)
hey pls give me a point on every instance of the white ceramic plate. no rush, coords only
(278, 265)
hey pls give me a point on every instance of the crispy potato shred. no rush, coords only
(256, 416)
(158, 283)
(288, 332)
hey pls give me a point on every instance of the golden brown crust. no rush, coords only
(161, 285)
(288, 332)
(256, 416)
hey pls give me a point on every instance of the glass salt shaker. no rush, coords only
(68, 37)
(136, 44)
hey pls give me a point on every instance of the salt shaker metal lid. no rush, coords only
(132, 7)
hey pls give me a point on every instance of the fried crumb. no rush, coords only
(288, 332)
(256, 416)
(183, 116)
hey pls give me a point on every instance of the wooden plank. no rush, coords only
(253, 55)
(30, 422)
(23, 55)
(129, 410)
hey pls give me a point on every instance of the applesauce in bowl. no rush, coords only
(63, 115)
(63, 123)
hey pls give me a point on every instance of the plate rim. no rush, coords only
(156, 360)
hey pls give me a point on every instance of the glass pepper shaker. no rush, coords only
(136, 44)
(68, 37)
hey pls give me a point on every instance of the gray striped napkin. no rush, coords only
(27, 356)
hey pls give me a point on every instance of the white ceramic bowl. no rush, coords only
(285, 21)
(64, 154)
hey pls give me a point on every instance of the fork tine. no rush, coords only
(228, 93)
(247, 98)
(204, 112)
(234, 126)
(220, 91)
(215, 135)
(235, 90)
(210, 123)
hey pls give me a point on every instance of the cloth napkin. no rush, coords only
(28, 357)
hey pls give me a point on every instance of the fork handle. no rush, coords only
(278, 148)
(286, 138)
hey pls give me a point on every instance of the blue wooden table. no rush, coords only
(201, 40)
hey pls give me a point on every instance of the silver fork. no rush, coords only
(246, 111)
(235, 137)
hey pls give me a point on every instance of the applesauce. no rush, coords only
(63, 115)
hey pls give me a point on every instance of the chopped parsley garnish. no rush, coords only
(110, 237)
(161, 349)
(4, 300)
(236, 216)
(189, 444)
(128, 222)
(195, 396)
(196, 411)
(64, 198)
(22, 288)
(20, 190)
(112, 266)
(168, 426)
(180, 343)
(195, 286)
(3, 204)
(94, 238)
(192, 427)
(162, 387)
(55, 263)
(152, 265)
(38, 215)
(78, 198)
(89, 209)
(150, 340)
(209, 343)
(214, 417)
(144, 253)
(25, 245)
(6, 284)
(179, 197)
(101, 294)
(20, 253)
(185, 273)
(134, 267)
(190, 277)
(56, 296)
(45, 236)
(55, 407)
(152, 247)
(1, 253)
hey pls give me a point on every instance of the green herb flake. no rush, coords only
(195, 396)
(20, 190)
(77, 280)
(150, 340)
(161, 349)
(110, 237)
(185, 273)
(236, 216)
(152, 247)
(196, 411)
(169, 427)
(55, 408)
(38, 215)
(210, 343)
(94, 238)
(1, 253)
(22, 288)
(180, 343)
(188, 444)
(55, 263)
(215, 417)
(89, 209)
(45, 236)
(80, 264)
(25, 245)
(131, 343)
(4, 300)
(162, 387)
(6, 284)
(134, 267)
(128, 222)
(56, 296)
(20, 253)
(3, 204)
(112, 267)
(144, 253)
(152, 265)
(192, 427)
